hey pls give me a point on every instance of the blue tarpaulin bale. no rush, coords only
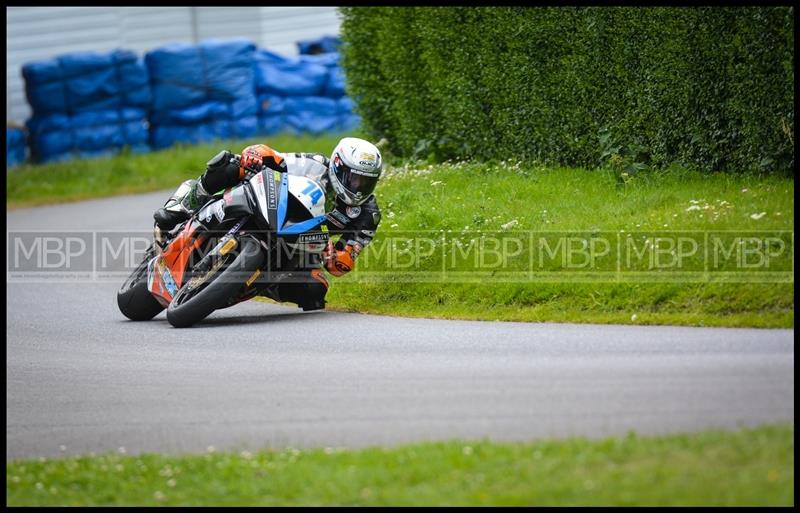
(60, 136)
(205, 122)
(335, 87)
(329, 60)
(288, 77)
(183, 75)
(206, 111)
(86, 81)
(134, 79)
(322, 45)
(164, 136)
(87, 104)
(15, 146)
(271, 114)
(202, 92)
(347, 119)
(311, 114)
(334, 81)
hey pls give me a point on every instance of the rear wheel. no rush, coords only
(134, 298)
(225, 280)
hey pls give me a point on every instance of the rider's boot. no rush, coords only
(180, 206)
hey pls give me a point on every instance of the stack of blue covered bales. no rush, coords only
(302, 95)
(325, 44)
(202, 92)
(15, 146)
(87, 104)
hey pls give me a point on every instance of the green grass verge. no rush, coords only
(748, 467)
(453, 201)
(510, 200)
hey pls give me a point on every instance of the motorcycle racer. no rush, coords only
(348, 177)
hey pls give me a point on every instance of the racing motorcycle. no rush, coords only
(239, 244)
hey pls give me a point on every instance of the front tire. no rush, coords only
(134, 298)
(191, 305)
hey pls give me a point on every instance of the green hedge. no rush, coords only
(711, 87)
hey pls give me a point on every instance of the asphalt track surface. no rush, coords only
(81, 378)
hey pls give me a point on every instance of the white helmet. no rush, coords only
(354, 170)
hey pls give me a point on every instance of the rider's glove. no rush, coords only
(258, 155)
(338, 262)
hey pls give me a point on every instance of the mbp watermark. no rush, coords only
(463, 256)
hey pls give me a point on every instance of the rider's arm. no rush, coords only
(227, 169)
(340, 257)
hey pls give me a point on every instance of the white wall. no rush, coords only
(34, 33)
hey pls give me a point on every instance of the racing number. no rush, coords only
(316, 195)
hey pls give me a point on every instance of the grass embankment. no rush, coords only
(749, 467)
(449, 204)
(447, 271)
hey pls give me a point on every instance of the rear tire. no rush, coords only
(134, 298)
(189, 307)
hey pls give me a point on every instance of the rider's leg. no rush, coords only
(221, 171)
(175, 209)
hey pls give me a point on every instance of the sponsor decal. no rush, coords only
(313, 237)
(340, 217)
(365, 172)
(376, 217)
(271, 193)
(207, 213)
(253, 277)
(367, 156)
(353, 212)
(333, 221)
(227, 247)
(219, 211)
(166, 277)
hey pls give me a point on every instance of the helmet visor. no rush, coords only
(357, 184)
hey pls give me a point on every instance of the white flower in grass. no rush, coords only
(757, 216)
(509, 224)
(633, 317)
(744, 190)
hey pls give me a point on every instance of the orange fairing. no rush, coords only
(177, 254)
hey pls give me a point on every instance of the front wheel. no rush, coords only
(134, 298)
(213, 289)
